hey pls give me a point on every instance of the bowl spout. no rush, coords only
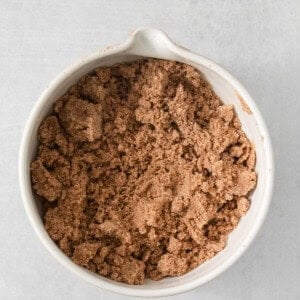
(149, 42)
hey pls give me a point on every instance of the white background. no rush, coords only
(257, 41)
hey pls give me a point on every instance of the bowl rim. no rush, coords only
(26, 193)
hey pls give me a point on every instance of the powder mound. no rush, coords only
(142, 171)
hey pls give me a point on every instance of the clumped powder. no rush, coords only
(142, 171)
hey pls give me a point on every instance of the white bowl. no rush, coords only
(154, 43)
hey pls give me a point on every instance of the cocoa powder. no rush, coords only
(142, 171)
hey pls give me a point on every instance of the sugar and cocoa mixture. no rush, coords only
(142, 171)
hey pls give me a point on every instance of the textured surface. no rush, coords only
(257, 41)
(158, 190)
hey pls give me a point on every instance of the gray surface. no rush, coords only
(258, 41)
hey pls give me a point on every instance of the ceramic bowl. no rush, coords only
(154, 43)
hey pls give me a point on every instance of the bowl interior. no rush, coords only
(229, 91)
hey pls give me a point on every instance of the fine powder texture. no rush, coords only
(142, 172)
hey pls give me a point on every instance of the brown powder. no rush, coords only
(142, 171)
(244, 104)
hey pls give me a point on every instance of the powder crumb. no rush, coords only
(84, 252)
(244, 105)
(172, 265)
(142, 171)
(44, 183)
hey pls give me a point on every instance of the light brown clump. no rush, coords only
(143, 172)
